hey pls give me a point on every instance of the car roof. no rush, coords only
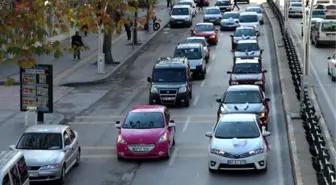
(247, 41)
(212, 7)
(243, 88)
(251, 61)
(231, 12)
(204, 23)
(195, 38)
(248, 13)
(148, 108)
(46, 128)
(181, 6)
(171, 62)
(237, 117)
(253, 7)
(189, 45)
(245, 27)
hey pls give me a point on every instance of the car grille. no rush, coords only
(236, 156)
(246, 81)
(168, 96)
(141, 148)
(236, 166)
(33, 167)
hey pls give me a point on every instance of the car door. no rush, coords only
(264, 102)
(68, 157)
(171, 131)
(74, 143)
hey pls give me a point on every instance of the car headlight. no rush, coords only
(182, 90)
(163, 138)
(217, 152)
(257, 151)
(51, 166)
(154, 90)
(258, 83)
(213, 36)
(234, 83)
(121, 140)
(262, 115)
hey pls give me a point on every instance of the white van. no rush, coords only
(13, 168)
(324, 32)
(181, 15)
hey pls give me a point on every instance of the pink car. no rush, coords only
(147, 132)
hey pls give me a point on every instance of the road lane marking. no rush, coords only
(195, 101)
(208, 69)
(102, 148)
(109, 123)
(171, 161)
(186, 125)
(213, 56)
(274, 120)
(173, 156)
(202, 84)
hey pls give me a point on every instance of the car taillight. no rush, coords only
(318, 35)
(325, 11)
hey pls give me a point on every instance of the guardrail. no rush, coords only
(325, 171)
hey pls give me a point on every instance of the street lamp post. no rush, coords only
(286, 14)
(101, 55)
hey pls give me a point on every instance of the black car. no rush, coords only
(170, 83)
(248, 49)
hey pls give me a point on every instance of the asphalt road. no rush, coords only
(188, 164)
(324, 88)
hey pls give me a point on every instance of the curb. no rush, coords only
(128, 61)
(296, 171)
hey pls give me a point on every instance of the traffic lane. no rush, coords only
(189, 165)
(324, 88)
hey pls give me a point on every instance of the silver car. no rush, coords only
(50, 151)
(257, 10)
(212, 14)
(230, 21)
(202, 41)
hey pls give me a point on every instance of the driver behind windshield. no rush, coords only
(191, 54)
(247, 68)
(245, 47)
(236, 97)
(244, 32)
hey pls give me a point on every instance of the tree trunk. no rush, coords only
(107, 48)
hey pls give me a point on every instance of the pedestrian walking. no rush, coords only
(200, 5)
(128, 25)
(235, 4)
(168, 3)
(76, 42)
(85, 29)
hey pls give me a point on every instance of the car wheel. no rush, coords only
(329, 70)
(60, 181)
(211, 170)
(174, 141)
(168, 153)
(78, 158)
(187, 102)
(333, 77)
(264, 170)
(190, 94)
(316, 44)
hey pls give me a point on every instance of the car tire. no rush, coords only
(78, 158)
(190, 94)
(174, 140)
(187, 102)
(60, 181)
(167, 157)
(211, 170)
(264, 170)
(202, 76)
(333, 77)
(316, 44)
(329, 70)
(261, 22)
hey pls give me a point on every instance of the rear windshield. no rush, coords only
(296, 5)
(169, 75)
(246, 68)
(212, 11)
(200, 41)
(222, 3)
(238, 97)
(180, 11)
(190, 53)
(248, 18)
(331, 7)
(143, 120)
(328, 27)
(231, 15)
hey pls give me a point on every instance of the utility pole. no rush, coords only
(286, 14)
(135, 27)
(101, 54)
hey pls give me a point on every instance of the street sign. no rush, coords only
(36, 88)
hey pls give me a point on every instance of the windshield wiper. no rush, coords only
(246, 137)
(221, 137)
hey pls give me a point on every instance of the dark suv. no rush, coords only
(170, 82)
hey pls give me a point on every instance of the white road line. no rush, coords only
(173, 156)
(208, 69)
(186, 124)
(274, 120)
(196, 100)
(202, 84)
(213, 56)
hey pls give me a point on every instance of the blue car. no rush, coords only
(319, 14)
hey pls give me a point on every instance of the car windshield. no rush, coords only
(246, 68)
(318, 12)
(222, 3)
(238, 97)
(169, 75)
(331, 7)
(245, 32)
(40, 141)
(204, 27)
(190, 53)
(237, 129)
(180, 11)
(212, 11)
(144, 120)
(200, 41)
(185, 3)
(242, 47)
(328, 27)
(231, 15)
(248, 18)
(296, 5)
(258, 10)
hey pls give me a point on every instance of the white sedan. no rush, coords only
(295, 9)
(237, 143)
(332, 67)
(257, 10)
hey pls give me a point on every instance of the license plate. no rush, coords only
(179, 22)
(33, 174)
(168, 98)
(237, 162)
(140, 149)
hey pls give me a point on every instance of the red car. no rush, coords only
(207, 30)
(146, 132)
(206, 2)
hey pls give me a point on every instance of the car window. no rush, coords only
(5, 180)
(169, 75)
(222, 3)
(319, 7)
(67, 140)
(231, 15)
(15, 175)
(248, 18)
(243, 47)
(190, 53)
(246, 68)
(212, 11)
(71, 134)
(318, 12)
(296, 5)
(239, 97)
(40, 141)
(328, 27)
(22, 167)
(180, 11)
(331, 7)
(258, 10)
(144, 120)
(245, 32)
(237, 129)
(204, 27)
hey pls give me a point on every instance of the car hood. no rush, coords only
(168, 85)
(246, 54)
(248, 24)
(180, 17)
(243, 37)
(255, 108)
(195, 62)
(230, 20)
(204, 33)
(42, 157)
(142, 136)
(254, 76)
(237, 146)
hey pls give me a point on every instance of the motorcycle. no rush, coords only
(156, 25)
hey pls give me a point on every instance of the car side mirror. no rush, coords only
(171, 125)
(117, 126)
(67, 148)
(231, 36)
(208, 134)
(261, 50)
(267, 100)
(12, 147)
(171, 121)
(329, 58)
(149, 79)
(219, 100)
(228, 72)
(266, 133)
(264, 71)
(237, 21)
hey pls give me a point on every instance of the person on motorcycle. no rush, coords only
(76, 42)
